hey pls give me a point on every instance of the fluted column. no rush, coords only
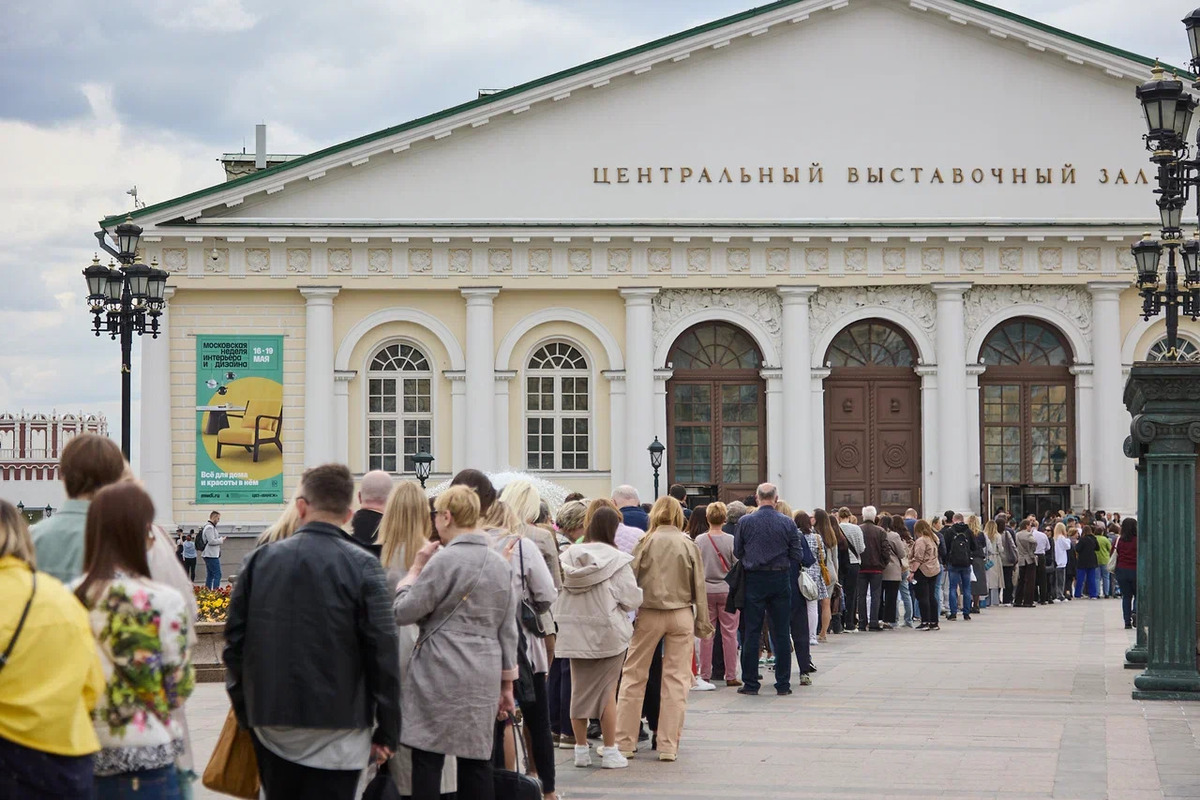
(156, 440)
(954, 485)
(639, 389)
(1110, 479)
(481, 378)
(320, 445)
(797, 457)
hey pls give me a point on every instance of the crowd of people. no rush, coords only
(438, 644)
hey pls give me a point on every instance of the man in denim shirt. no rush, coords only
(767, 542)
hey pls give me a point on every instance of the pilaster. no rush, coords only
(795, 442)
(1109, 486)
(480, 378)
(640, 416)
(817, 432)
(319, 436)
(951, 346)
(341, 417)
(504, 457)
(616, 432)
(776, 452)
(458, 419)
(931, 498)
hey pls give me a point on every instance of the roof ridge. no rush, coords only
(514, 91)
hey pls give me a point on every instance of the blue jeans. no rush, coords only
(1127, 579)
(1090, 576)
(937, 595)
(907, 598)
(212, 573)
(148, 784)
(767, 592)
(960, 577)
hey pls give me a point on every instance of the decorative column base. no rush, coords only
(1164, 399)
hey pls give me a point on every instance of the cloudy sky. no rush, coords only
(97, 97)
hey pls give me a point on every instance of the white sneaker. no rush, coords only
(611, 758)
(583, 755)
(702, 685)
(813, 641)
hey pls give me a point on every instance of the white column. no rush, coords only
(503, 457)
(639, 390)
(616, 425)
(1110, 416)
(481, 378)
(974, 459)
(796, 442)
(952, 396)
(661, 376)
(817, 432)
(931, 499)
(319, 438)
(341, 418)
(776, 452)
(1085, 416)
(156, 436)
(459, 433)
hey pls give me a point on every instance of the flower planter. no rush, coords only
(206, 657)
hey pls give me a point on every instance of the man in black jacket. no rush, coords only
(960, 549)
(875, 556)
(317, 682)
(373, 495)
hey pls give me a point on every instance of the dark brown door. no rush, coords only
(716, 411)
(872, 420)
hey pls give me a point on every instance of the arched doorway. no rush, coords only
(1027, 418)
(716, 412)
(872, 419)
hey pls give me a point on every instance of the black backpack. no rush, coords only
(960, 549)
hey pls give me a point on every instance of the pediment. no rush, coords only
(868, 111)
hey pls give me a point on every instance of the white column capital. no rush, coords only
(319, 295)
(639, 295)
(614, 376)
(663, 375)
(455, 376)
(975, 370)
(774, 378)
(1108, 289)
(795, 295)
(344, 375)
(480, 295)
(1081, 369)
(950, 289)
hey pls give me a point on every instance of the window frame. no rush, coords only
(399, 415)
(557, 374)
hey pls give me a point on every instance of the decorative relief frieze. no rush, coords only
(933, 259)
(619, 260)
(379, 260)
(816, 259)
(1012, 259)
(970, 259)
(299, 261)
(779, 259)
(420, 259)
(175, 259)
(258, 259)
(539, 260)
(1074, 302)
(737, 259)
(699, 259)
(1089, 259)
(340, 259)
(1050, 259)
(1125, 259)
(579, 259)
(659, 259)
(894, 258)
(460, 260)
(829, 306)
(855, 259)
(218, 265)
(763, 306)
(500, 260)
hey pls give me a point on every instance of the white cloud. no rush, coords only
(210, 16)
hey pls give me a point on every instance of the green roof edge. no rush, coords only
(570, 71)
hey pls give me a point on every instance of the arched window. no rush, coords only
(399, 407)
(557, 409)
(1027, 415)
(715, 345)
(1186, 350)
(870, 343)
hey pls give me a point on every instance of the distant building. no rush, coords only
(30, 446)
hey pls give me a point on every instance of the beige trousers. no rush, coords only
(674, 629)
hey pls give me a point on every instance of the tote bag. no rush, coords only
(233, 768)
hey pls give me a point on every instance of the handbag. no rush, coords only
(523, 689)
(808, 587)
(233, 767)
(531, 620)
(382, 787)
(515, 785)
(1112, 560)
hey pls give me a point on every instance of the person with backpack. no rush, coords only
(960, 550)
(210, 549)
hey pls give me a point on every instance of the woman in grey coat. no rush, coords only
(465, 659)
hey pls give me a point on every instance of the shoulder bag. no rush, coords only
(233, 767)
(530, 619)
(8, 651)
(808, 587)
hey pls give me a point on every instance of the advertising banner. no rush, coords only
(239, 420)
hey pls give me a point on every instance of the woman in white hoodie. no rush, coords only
(599, 590)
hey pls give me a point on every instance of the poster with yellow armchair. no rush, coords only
(239, 420)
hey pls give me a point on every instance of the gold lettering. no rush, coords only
(622, 175)
(851, 174)
(1103, 175)
(1018, 176)
(768, 173)
(1141, 177)
(1068, 174)
(873, 176)
(791, 177)
(684, 174)
(998, 174)
(704, 177)
(892, 175)
(916, 171)
(937, 176)
(958, 175)
(725, 176)
(746, 176)
(600, 175)
(977, 175)
(645, 175)
(1121, 177)
(816, 173)
(1045, 177)
(666, 171)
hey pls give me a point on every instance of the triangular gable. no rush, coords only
(1046, 39)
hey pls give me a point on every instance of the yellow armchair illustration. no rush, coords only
(261, 424)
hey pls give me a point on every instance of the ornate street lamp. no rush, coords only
(124, 301)
(656, 449)
(421, 464)
(47, 511)
(1058, 457)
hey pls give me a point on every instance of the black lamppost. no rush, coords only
(656, 449)
(421, 465)
(47, 511)
(20, 508)
(125, 300)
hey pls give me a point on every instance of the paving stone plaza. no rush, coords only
(1017, 703)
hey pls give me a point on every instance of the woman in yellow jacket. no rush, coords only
(50, 676)
(670, 573)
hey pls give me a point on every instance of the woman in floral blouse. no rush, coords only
(140, 629)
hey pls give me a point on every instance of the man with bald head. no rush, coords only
(372, 499)
(767, 542)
